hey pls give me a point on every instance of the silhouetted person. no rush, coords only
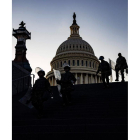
(40, 87)
(121, 64)
(104, 67)
(66, 82)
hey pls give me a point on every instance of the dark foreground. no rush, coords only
(96, 114)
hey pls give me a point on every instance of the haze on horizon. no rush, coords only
(103, 24)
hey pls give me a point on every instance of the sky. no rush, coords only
(103, 24)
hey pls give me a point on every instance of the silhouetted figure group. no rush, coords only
(105, 69)
(67, 80)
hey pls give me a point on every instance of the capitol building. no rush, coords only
(79, 55)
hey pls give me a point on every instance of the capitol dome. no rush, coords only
(74, 44)
(79, 55)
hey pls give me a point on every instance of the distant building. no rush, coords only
(79, 55)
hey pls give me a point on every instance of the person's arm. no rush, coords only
(34, 87)
(48, 87)
(73, 78)
(98, 69)
(58, 82)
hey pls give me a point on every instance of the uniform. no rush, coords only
(41, 85)
(121, 64)
(104, 67)
(66, 85)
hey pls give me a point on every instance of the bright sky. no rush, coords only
(103, 24)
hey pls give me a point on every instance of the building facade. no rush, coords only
(79, 55)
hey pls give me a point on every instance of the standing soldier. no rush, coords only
(66, 82)
(40, 87)
(105, 69)
(121, 64)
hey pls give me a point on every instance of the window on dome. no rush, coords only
(93, 64)
(69, 62)
(77, 47)
(82, 63)
(61, 63)
(58, 65)
(90, 64)
(83, 47)
(86, 63)
(70, 46)
(80, 47)
(73, 62)
(77, 62)
(64, 48)
(73, 46)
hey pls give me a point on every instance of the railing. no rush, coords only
(24, 82)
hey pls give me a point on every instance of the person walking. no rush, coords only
(40, 87)
(121, 64)
(105, 70)
(66, 82)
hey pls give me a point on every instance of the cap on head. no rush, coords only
(119, 54)
(39, 70)
(65, 65)
(101, 58)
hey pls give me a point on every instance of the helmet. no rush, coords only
(66, 65)
(101, 58)
(37, 70)
(119, 54)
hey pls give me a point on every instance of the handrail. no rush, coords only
(21, 77)
(23, 81)
(24, 77)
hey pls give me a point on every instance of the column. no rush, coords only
(89, 79)
(81, 78)
(86, 79)
(92, 79)
(95, 78)
(99, 80)
(76, 78)
(52, 80)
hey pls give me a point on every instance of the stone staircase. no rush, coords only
(95, 114)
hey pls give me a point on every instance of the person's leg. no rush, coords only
(107, 80)
(122, 74)
(117, 75)
(40, 109)
(64, 97)
(69, 96)
(103, 79)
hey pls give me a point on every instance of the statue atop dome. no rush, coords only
(74, 16)
(74, 19)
